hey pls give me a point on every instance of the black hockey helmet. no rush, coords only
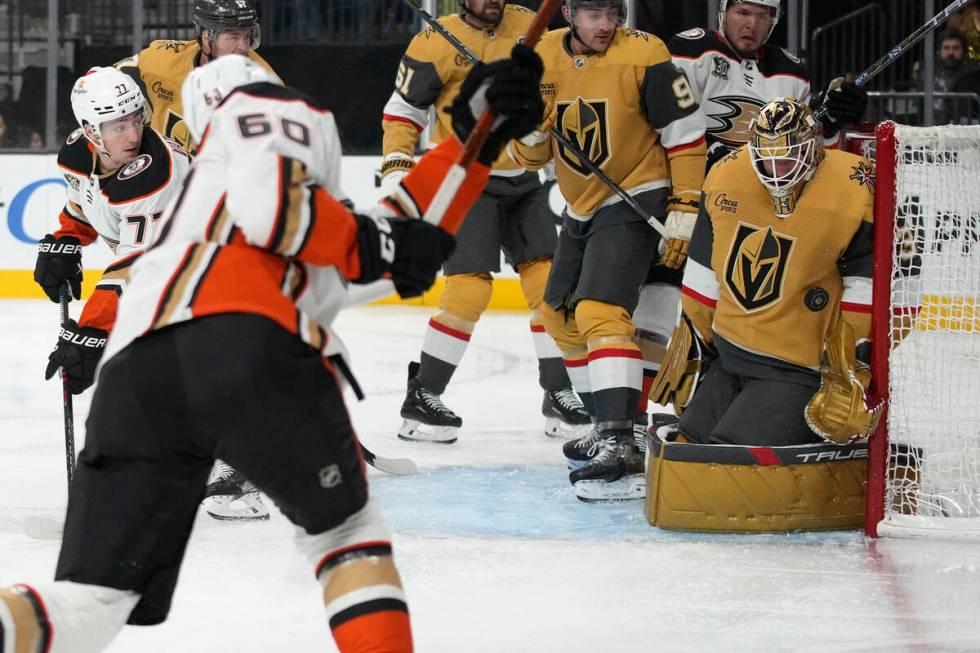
(214, 16)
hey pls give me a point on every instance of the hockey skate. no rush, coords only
(427, 419)
(579, 452)
(230, 497)
(565, 417)
(615, 473)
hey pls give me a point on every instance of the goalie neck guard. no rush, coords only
(786, 147)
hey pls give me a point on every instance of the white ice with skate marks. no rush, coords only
(495, 552)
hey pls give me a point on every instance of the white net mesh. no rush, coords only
(933, 474)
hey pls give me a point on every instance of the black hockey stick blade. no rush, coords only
(394, 466)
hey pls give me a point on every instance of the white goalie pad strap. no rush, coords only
(84, 618)
(365, 528)
(656, 312)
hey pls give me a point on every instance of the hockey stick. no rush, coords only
(66, 397)
(877, 67)
(395, 466)
(558, 136)
(457, 172)
(46, 528)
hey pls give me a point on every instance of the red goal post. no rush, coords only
(924, 465)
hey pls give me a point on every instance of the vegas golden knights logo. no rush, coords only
(585, 123)
(757, 265)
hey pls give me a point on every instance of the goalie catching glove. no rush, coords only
(837, 412)
(511, 89)
(78, 352)
(412, 251)
(683, 365)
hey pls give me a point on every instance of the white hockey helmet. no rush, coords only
(104, 94)
(208, 85)
(723, 6)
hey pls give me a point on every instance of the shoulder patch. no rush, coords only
(146, 174)
(864, 174)
(692, 34)
(141, 163)
(174, 46)
(75, 154)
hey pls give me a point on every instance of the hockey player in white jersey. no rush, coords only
(218, 351)
(734, 73)
(121, 175)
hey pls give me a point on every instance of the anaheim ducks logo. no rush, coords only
(756, 266)
(732, 118)
(585, 123)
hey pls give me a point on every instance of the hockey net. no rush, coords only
(924, 472)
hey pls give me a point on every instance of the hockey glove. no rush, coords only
(510, 88)
(845, 102)
(420, 251)
(413, 251)
(683, 366)
(673, 248)
(59, 260)
(78, 352)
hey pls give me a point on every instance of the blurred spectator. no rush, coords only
(29, 138)
(967, 22)
(6, 128)
(955, 73)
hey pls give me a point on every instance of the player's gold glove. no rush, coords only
(673, 249)
(681, 368)
(838, 412)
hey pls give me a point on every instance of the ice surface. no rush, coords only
(496, 553)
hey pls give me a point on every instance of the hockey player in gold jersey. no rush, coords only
(512, 215)
(779, 271)
(615, 92)
(224, 27)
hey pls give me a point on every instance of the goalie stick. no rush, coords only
(558, 136)
(877, 67)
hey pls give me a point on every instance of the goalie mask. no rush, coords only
(208, 85)
(773, 5)
(786, 146)
(103, 95)
(213, 16)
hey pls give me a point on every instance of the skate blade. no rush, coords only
(246, 507)
(414, 431)
(555, 428)
(628, 488)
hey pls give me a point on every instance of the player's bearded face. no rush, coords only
(747, 27)
(489, 12)
(122, 137)
(596, 28)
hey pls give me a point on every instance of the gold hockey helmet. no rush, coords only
(786, 147)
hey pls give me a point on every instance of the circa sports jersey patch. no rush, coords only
(864, 175)
(756, 266)
(731, 115)
(692, 34)
(585, 123)
(139, 164)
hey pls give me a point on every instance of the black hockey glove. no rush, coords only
(59, 260)
(78, 352)
(511, 88)
(413, 251)
(845, 102)
(420, 251)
